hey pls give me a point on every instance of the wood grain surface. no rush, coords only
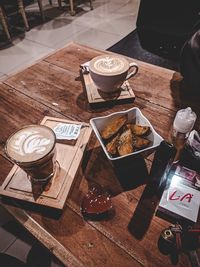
(68, 160)
(96, 96)
(129, 235)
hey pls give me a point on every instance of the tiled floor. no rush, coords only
(15, 241)
(106, 24)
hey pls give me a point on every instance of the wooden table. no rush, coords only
(129, 237)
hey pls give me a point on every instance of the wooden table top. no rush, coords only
(129, 237)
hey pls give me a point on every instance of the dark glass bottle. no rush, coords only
(161, 165)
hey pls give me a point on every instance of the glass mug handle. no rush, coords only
(132, 73)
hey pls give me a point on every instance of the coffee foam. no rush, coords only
(109, 65)
(30, 143)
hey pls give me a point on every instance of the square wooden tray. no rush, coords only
(96, 96)
(69, 156)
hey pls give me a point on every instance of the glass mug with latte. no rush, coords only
(32, 148)
(108, 72)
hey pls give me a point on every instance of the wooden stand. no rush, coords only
(96, 96)
(68, 155)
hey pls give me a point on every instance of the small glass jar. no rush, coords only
(182, 126)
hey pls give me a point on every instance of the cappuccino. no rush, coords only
(108, 72)
(33, 149)
(109, 65)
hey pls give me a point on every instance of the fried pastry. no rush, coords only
(113, 126)
(140, 142)
(138, 129)
(112, 145)
(125, 143)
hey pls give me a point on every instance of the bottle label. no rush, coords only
(179, 139)
(179, 135)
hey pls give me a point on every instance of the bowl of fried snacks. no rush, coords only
(125, 133)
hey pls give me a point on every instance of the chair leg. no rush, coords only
(41, 9)
(50, 2)
(60, 3)
(91, 5)
(23, 14)
(72, 11)
(4, 23)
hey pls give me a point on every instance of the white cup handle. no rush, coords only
(132, 73)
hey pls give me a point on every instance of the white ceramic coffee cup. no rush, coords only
(108, 72)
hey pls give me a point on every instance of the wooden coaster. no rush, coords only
(96, 96)
(68, 159)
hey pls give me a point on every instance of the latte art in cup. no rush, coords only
(30, 144)
(33, 149)
(109, 72)
(110, 65)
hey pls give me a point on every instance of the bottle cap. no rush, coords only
(184, 120)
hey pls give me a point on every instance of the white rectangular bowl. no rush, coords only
(134, 116)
